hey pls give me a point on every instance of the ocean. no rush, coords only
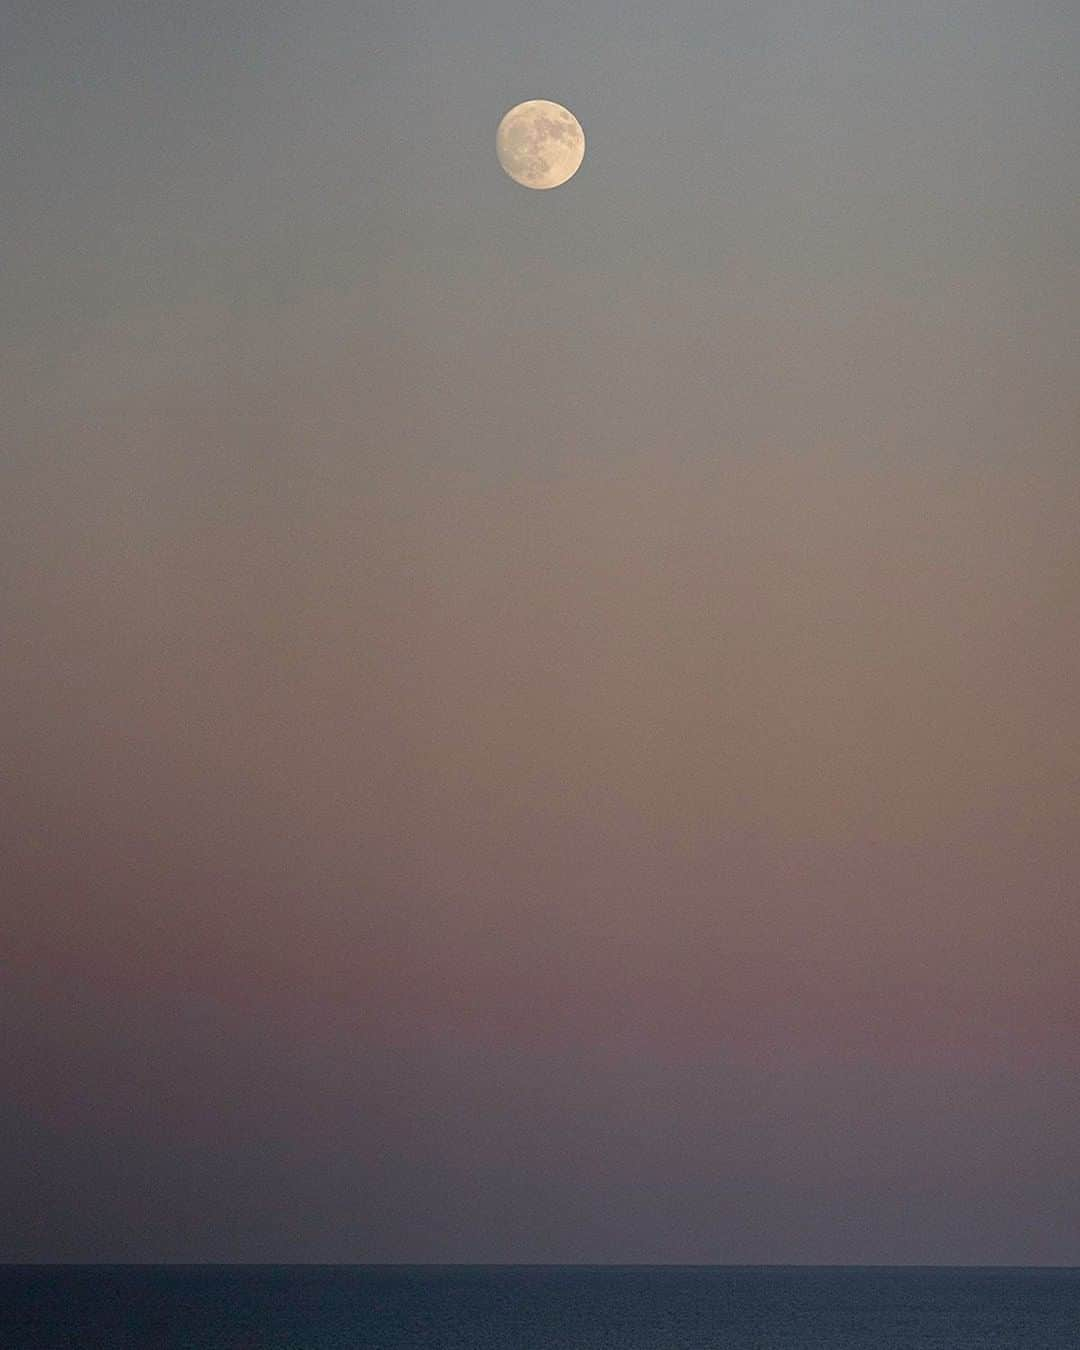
(537, 1308)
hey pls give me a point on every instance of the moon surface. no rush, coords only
(540, 144)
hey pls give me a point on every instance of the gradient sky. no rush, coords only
(540, 726)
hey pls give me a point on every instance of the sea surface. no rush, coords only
(537, 1308)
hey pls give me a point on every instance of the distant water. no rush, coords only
(536, 1308)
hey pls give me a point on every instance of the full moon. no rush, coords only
(540, 144)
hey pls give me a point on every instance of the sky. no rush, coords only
(540, 726)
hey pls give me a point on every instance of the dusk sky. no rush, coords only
(540, 726)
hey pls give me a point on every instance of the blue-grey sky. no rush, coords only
(542, 726)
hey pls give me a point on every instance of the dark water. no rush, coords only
(536, 1308)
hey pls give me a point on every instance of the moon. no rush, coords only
(540, 144)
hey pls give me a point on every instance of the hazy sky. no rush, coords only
(540, 726)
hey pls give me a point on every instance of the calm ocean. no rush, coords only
(537, 1308)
